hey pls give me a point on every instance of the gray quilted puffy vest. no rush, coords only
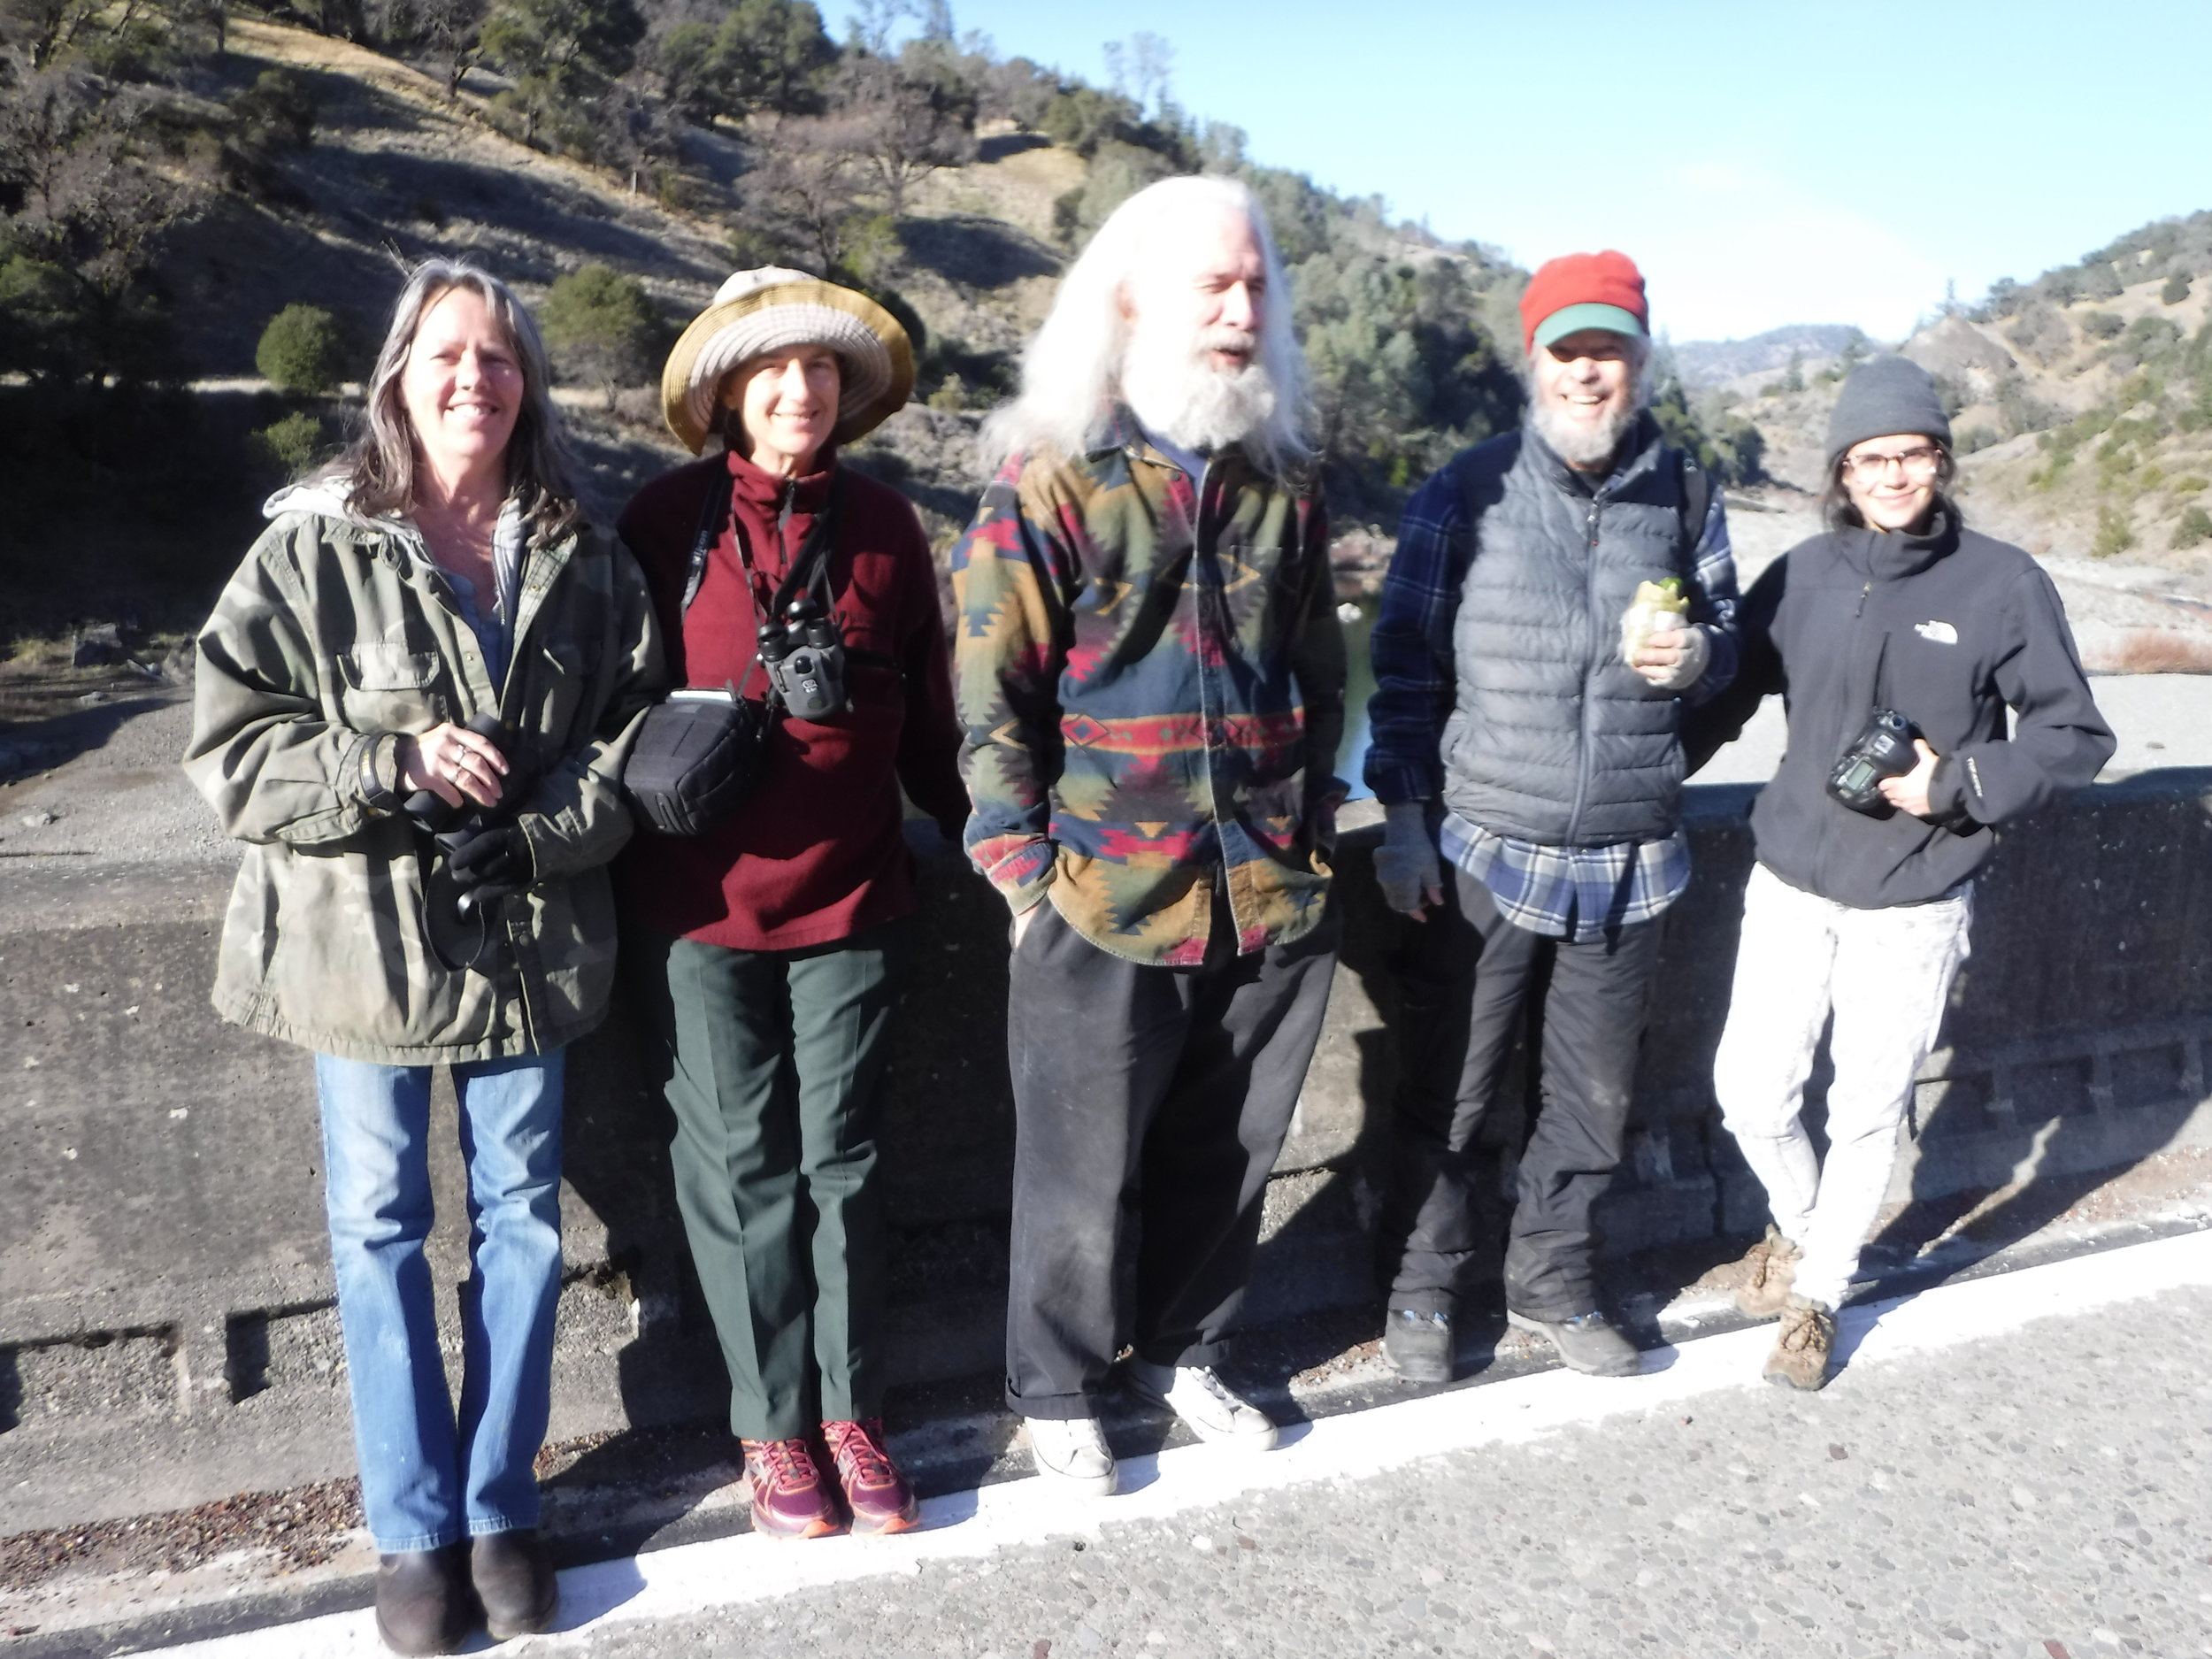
(1553, 739)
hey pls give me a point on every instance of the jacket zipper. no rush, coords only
(1589, 648)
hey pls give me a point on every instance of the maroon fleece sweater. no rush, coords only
(816, 854)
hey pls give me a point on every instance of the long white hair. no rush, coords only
(1071, 370)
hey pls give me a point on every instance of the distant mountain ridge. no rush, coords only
(1706, 363)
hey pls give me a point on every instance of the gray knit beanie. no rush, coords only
(1883, 397)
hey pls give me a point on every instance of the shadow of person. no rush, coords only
(2077, 1031)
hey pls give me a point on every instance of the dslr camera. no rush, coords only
(1882, 749)
(805, 655)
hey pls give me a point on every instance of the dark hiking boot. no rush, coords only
(423, 1604)
(1586, 1343)
(1802, 1346)
(514, 1580)
(1769, 1269)
(1418, 1346)
(877, 1495)
(789, 1497)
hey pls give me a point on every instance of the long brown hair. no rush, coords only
(377, 470)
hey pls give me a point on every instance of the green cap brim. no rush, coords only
(1570, 320)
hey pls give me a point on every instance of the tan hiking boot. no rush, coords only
(1802, 1346)
(1771, 1269)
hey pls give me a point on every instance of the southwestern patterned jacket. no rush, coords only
(1151, 678)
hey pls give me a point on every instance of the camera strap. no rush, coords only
(810, 568)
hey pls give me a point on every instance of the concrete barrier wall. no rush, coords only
(166, 1333)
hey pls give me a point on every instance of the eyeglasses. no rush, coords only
(1918, 465)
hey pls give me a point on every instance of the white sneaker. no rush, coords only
(1214, 1410)
(1073, 1452)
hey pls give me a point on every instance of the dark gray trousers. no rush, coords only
(1472, 982)
(1149, 1104)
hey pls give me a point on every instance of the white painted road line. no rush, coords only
(736, 1572)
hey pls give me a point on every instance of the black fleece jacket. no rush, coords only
(1949, 628)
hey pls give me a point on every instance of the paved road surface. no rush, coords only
(2016, 1466)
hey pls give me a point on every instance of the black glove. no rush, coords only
(491, 865)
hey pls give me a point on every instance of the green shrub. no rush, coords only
(303, 349)
(2176, 289)
(2115, 534)
(2190, 483)
(292, 444)
(1975, 438)
(600, 326)
(2195, 527)
(2101, 325)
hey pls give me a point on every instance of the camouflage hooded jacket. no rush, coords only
(333, 631)
(1151, 678)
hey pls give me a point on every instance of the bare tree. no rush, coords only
(1151, 60)
(804, 191)
(905, 120)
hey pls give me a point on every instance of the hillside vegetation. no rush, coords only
(174, 175)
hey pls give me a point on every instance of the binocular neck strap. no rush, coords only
(810, 567)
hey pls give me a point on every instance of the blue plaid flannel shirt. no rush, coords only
(1575, 893)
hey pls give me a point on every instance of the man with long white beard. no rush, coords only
(1151, 678)
(1557, 595)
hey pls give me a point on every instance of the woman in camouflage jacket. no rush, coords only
(429, 618)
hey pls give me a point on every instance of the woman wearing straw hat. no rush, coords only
(765, 948)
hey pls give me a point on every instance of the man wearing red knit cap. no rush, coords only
(1558, 595)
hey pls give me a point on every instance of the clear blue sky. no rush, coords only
(1766, 164)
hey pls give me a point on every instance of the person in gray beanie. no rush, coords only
(1900, 638)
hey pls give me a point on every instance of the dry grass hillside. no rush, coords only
(397, 172)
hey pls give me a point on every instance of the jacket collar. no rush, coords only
(766, 490)
(1888, 556)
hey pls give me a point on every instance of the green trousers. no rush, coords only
(771, 1064)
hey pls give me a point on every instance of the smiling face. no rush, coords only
(462, 386)
(1892, 481)
(786, 407)
(1582, 395)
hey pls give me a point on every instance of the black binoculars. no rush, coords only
(461, 933)
(805, 655)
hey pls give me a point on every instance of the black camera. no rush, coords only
(805, 655)
(1882, 749)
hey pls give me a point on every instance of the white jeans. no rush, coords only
(1887, 973)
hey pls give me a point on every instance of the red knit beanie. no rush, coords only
(1608, 283)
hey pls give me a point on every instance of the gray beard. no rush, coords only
(1578, 445)
(1180, 396)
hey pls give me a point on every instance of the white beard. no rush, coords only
(1170, 387)
(1578, 444)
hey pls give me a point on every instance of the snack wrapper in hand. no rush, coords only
(1657, 606)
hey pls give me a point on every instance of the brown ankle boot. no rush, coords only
(1802, 1346)
(1771, 1268)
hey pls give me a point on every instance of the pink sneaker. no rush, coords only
(875, 1490)
(789, 1500)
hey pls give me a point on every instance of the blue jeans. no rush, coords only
(422, 1484)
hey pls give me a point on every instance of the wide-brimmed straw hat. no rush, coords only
(771, 310)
